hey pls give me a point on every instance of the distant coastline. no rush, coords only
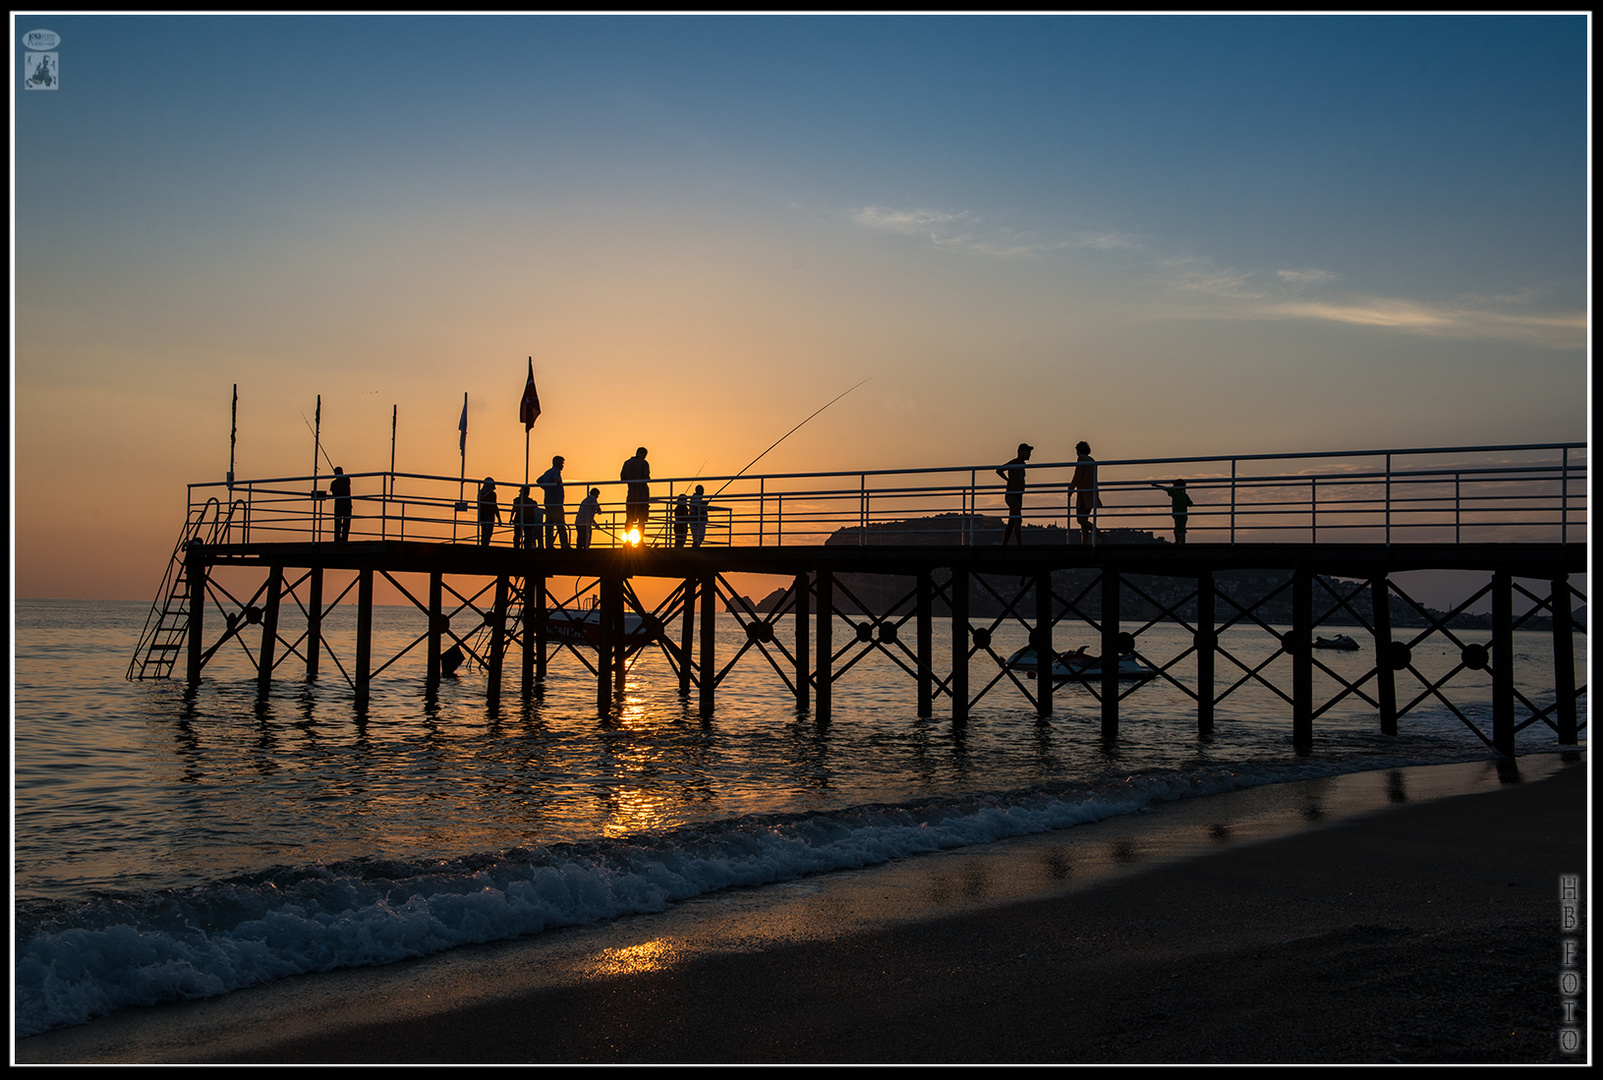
(878, 593)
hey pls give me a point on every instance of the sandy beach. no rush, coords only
(1259, 927)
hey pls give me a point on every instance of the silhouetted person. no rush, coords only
(1013, 473)
(698, 516)
(681, 520)
(585, 519)
(489, 511)
(1084, 485)
(1180, 504)
(556, 524)
(525, 520)
(637, 500)
(340, 488)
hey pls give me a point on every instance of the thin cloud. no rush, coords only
(1559, 331)
(933, 223)
(1305, 277)
(1194, 275)
(960, 230)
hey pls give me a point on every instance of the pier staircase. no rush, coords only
(167, 626)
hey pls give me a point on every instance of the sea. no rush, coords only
(174, 843)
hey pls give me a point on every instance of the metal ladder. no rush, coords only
(167, 626)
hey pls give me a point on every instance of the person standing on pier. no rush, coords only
(635, 473)
(489, 511)
(556, 524)
(585, 519)
(1013, 473)
(1180, 504)
(681, 520)
(340, 488)
(698, 516)
(1084, 485)
(525, 520)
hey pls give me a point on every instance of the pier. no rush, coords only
(1322, 536)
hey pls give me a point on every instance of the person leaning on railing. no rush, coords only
(525, 520)
(1180, 505)
(584, 519)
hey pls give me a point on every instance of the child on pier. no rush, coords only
(1180, 504)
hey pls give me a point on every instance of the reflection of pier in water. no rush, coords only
(1513, 525)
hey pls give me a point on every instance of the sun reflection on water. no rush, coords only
(633, 959)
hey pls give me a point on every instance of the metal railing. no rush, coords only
(1508, 493)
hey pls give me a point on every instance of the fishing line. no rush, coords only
(785, 436)
(318, 438)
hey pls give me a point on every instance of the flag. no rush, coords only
(529, 408)
(463, 425)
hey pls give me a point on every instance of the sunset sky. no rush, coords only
(1166, 235)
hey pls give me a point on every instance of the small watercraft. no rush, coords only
(584, 627)
(1081, 666)
(1340, 641)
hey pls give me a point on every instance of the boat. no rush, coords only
(1340, 641)
(584, 627)
(1080, 666)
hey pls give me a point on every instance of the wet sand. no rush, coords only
(1372, 918)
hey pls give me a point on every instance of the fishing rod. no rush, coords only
(785, 436)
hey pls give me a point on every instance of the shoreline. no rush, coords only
(906, 962)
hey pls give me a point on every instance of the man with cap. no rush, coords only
(556, 525)
(1013, 473)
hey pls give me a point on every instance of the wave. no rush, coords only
(77, 962)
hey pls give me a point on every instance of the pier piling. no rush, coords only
(436, 631)
(802, 591)
(709, 643)
(1041, 638)
(1300, 643)
(1206, 643)
(823, 664)
(925, 644)
(265, 656)
(1565, 714)
(364, 634)
(1385, 674)
(314, 620)
(1503, 663)
(1110, 652)
(961, 646)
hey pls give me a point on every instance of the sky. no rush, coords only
(1166, 235)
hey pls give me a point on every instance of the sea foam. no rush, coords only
(119, 951)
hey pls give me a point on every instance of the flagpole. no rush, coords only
(528, 412)
(394, 411)
(461, 484)
(233, 433)
(317, 445)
